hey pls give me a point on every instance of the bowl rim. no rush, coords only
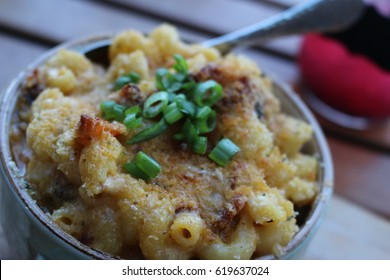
(15, 180)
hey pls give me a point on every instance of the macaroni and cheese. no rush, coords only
(194, 208)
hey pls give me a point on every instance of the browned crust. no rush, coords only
(92, 127)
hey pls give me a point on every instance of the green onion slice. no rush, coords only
(172, 113)
(171, 96)
(134, 77)
(189, 87)
(149, 133)
(121, 82)
(131, 121)
(107, 109)
(207, 93)
(180, 77)
(179, 96)
(160, 74)
(135, 171)
(119, 112)
(155, 104)
(143, 167)
(170, 83)
(202, 112)
(185, 106)
(147, 164)
(207, 123)
(181, 68)
(134, 110)
(165, 80)
(200, 145)
(223, 152)
(181, 64)
(190, 132)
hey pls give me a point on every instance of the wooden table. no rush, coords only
(357, 224)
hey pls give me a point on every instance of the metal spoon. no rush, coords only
(310, 16)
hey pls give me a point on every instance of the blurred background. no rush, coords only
(357, 225)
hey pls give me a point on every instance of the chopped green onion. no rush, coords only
(186, 107)
(134, 110)
(190, 132)
(149, 133)
(202, 112)
(172, 113)
(134, 77)
(200, 145)
(170, 83)
(207, 93)
(181, 68)
(119, 112)
(160, 74)
(165, 80)
(143, 167)
(131, 121)
(223, 152)
(147, 164)
(180, 97)
(107, 109)
(180, 77)
(121, 82)
(208, 123)
(171, 96)
(155, 104)
(135, 171)
(181, 65)
(189, 87)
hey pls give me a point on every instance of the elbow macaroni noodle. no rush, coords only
(193, 209)
(186, 229)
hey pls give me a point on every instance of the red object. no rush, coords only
(348, 82)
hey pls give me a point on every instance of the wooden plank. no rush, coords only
(63, 20)
(350, 232)
(15, 55)
(217, 16)
(361, 175)
(377, 136)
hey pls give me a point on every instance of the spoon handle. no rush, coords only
(310, 16)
